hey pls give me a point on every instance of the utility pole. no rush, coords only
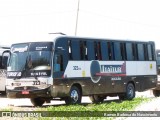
(77, 18)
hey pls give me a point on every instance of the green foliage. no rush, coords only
(106, 106)
(87, 111)
(94, 108)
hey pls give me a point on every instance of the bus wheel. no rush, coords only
(156, 93)
(74, 96)
(37, 101)
(130, 92)
(96, 98)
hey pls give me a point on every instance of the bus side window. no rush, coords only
(83, 50)
(110, 50)
(75, 49)
(99, 53)
(129, 51)
(97, 47)
(104, 50)
(123, 51)
(146, 52)
(117, 51)
(150, 51)
(140, 51)
(134, 49)
(58, 63)
(90, 50)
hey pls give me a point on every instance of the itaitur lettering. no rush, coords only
(111, 69)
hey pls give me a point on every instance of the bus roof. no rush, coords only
(94, 38)
(54, 38)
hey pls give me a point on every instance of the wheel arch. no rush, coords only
(133, 83)
(78, 86)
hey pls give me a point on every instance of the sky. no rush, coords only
(32, 20)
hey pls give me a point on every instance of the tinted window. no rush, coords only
(110, 50)
(129, 51)
(83, 50)
(91, 50)
(117, 51)
(104, 50)
(123, 51)
(75, 46)
(140, 48)
(150, 52)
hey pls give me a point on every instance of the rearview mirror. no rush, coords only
(5, 56)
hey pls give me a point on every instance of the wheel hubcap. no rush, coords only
(74, 96)
(130, 92)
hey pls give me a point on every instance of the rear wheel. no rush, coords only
(96, 98)
(156, 93)
(37, 101)
(74, 96)
(130, 92)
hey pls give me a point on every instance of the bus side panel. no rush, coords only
(104, 77)
(143, 73)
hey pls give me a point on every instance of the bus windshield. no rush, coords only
(33, 60)
(30, 58)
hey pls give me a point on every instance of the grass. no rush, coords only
(87, 111)
(105, 106)
(92, 111)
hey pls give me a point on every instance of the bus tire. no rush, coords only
(74, 96)
(37, 101)
(130, 92)
(156, 93)
(96, 98)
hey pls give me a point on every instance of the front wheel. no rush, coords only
(74, 96)
(37, 101)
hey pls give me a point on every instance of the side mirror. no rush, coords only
(5, 56)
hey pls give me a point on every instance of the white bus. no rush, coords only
(3, 68)
(71, 67)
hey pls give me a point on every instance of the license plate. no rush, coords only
(25, 92)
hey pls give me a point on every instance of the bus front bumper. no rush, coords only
(29, 93)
